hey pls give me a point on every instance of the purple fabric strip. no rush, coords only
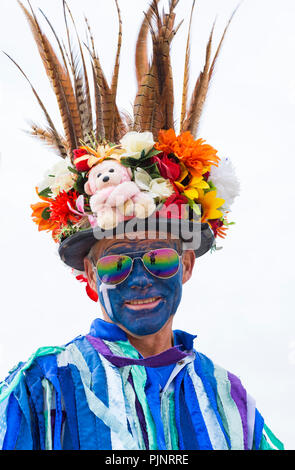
(239, 395)
(140, 415)
(166, 358)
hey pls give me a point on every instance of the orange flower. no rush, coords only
(38, 210)
(195, 154)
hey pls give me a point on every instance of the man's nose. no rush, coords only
(139, 277)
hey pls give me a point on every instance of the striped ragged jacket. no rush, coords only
(97, 392)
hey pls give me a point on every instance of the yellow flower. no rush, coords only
(191, 190)
(210, 205)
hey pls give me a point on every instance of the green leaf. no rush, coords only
(46, 214)
(153, 153)
(212, 187)
(73, 170)
(153, 169)
(194, 206)
(45, 193)
(80, 183)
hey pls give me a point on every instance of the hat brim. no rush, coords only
(196, 236)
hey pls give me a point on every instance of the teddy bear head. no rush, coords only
(107, 173)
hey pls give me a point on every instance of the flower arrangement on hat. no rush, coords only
(175, 170)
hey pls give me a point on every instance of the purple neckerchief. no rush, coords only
(166, 358)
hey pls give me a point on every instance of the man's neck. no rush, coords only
(150, 345)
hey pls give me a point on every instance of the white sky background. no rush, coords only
(240, 299)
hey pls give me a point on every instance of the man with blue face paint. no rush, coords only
(132, 382)
(143, 304)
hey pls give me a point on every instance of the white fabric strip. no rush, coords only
(251, 407)
(116, 399)
(230, 410)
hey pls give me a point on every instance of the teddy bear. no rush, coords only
(114, 196)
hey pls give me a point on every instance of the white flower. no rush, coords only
(59, 178)
(161, 188)
(226, 182)
(135, 142)
(158, 187)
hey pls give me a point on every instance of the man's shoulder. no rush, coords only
(217, 375)
(43, 363)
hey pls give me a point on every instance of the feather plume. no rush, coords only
(60, 81)
(200, 93)
(154, 102)
(186, 72)
(81, 83)
(114, 126)
(47, 136)
(58, 142)
(141, 55)
(221, 43)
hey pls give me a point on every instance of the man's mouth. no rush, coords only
(139, 304)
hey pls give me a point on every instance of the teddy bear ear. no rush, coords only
(87, 189)
(126, 174)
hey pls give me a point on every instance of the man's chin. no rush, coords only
(140, 327)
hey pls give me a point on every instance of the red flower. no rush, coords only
(218, 228)
(59, 208)
(174, 207)
(81, 163)
(168, 167)
(92, 294)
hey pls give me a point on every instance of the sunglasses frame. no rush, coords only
(138, 257)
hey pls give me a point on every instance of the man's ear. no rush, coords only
(90, 274)
(188, 262)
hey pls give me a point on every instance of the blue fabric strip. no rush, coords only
(205, 370)
(98, 378)
(196, 415)
(14, 416)
(190, 441)
(67, 388)
(153, 398)
(33, 379)
(49, 366)
(25, 439)
(86, 419)
(177, 384)
(258, 429)
(34, 425)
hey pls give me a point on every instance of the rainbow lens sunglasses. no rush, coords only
(162, 263)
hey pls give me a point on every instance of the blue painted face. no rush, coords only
(123, 303)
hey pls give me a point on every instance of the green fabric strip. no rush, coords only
(48, 393)
(264, 445)
(274, 440)
(166, 419)
(229, 411)
(173, 428)
(4, 392)
(130, 395)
